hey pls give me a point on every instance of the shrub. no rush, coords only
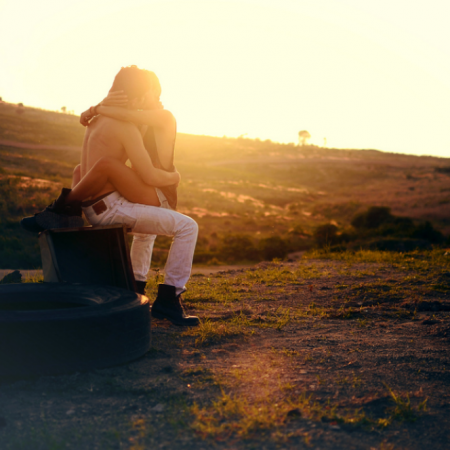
(428, 232)
(396, 245)
(397, 226)
(18, 249)
(11, 243)
(238, 247)
(378, 221)
(203, 257)
(297, 231)
(325, 235)
(445, 170)
(273, 247)
(372, 218)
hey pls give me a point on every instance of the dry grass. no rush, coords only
(255, 189)
(330, 353)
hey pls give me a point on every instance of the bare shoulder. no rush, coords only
(161, 118)
(170, 118)
(167, 115)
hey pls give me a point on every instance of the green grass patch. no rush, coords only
(214, 332)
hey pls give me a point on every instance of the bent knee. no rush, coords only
(191, 225)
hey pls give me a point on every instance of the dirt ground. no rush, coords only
(331, 352)
(197, 269)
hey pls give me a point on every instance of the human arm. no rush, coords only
(114, 98)
(112, 106)
(143, 129)
(140, 159)
(153, 114)
(164, 128)
(156, 118)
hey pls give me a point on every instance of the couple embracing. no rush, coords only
(131, 124)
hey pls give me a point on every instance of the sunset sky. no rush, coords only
(360, 73)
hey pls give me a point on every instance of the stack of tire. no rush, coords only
(55, 328)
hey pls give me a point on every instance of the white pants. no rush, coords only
(146, 222)
(142, 246)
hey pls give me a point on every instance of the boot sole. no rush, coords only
(29, 224)
(48, 220)
(158, 315)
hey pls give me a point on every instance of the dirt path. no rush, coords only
(203, 270)
(349, 354)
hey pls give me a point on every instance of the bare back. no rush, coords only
(102, 138)
(117, 140)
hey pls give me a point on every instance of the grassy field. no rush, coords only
(335, 351)
(253, 200)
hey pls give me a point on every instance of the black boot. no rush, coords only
(140, 287)
(59, 214)
(168, 306)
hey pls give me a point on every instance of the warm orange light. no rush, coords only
(356, 74)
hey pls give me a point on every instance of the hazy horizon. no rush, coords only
(71, 113)
(373, 76)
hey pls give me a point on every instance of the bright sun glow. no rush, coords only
(360, 74)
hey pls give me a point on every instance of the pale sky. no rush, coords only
(360, 73)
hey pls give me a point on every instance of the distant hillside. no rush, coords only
(256, 189)
(37, 126)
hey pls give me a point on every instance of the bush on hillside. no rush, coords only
(377, 228)
(18, 249)
(372, 218)
(326, 235)
(378, 221)
(428, 232)
(391, 244)
(396, 226)
(238, 247)
(273, 247)
(445, 170)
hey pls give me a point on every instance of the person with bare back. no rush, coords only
(142, 197)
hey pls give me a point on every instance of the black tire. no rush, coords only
(56, 328)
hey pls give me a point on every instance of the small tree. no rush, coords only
(273, 247)
(326, 235)
(303, 137)
(63, 109)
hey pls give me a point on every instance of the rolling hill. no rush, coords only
(241, 191)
